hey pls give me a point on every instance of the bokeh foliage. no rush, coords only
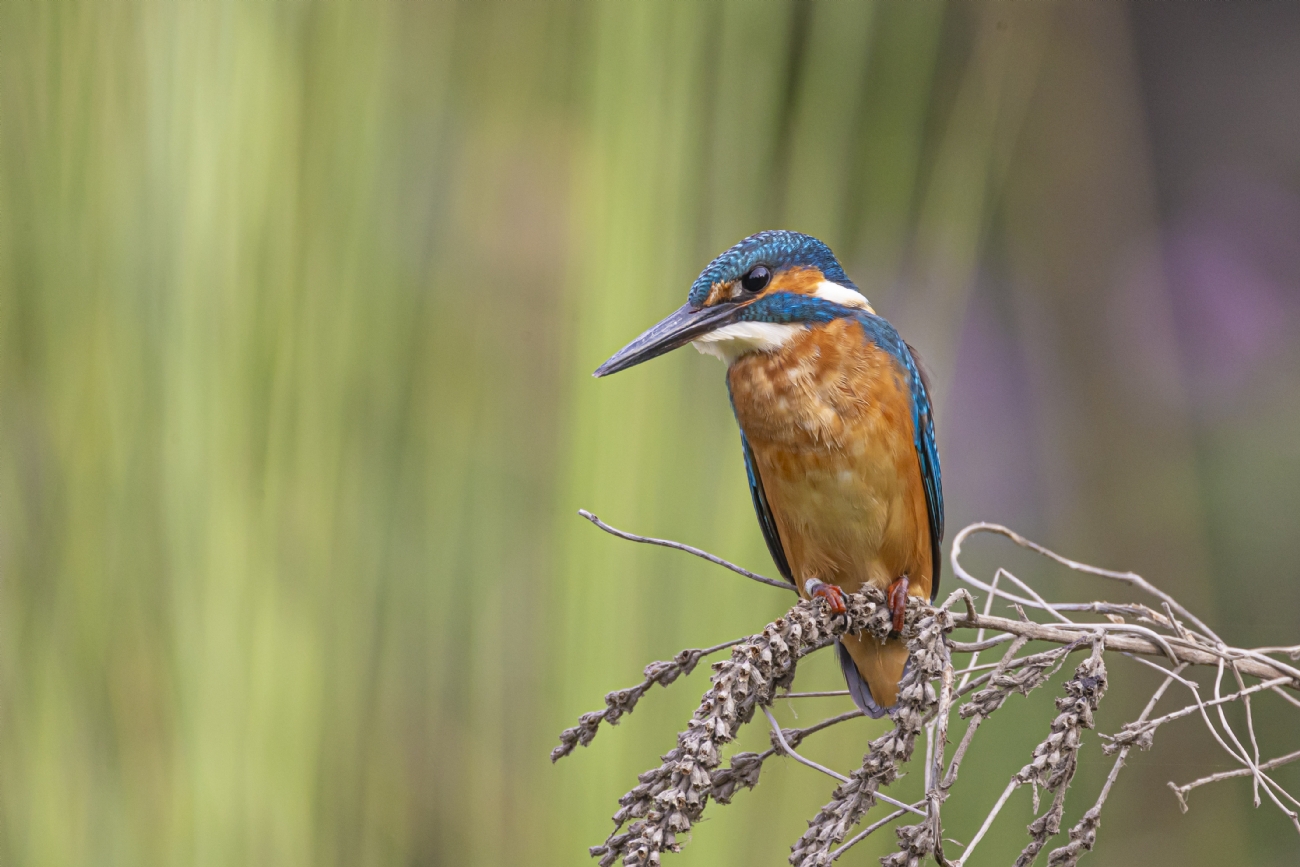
(297, 307)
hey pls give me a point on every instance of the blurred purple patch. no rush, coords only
(1233, 267)
(986, 425)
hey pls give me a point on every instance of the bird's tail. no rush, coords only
(872, 669)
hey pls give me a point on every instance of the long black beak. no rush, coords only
(680, 328)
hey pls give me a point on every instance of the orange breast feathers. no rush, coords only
(828, 418)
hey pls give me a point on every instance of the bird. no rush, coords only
(836, 431)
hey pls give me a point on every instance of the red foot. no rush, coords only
(897, 598)
(833, 595)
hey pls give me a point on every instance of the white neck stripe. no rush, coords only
(841, 295)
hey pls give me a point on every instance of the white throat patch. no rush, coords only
(732, 341)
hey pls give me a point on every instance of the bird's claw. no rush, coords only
(833, 595)
(897, 600)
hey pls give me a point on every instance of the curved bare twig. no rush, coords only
(678, 546)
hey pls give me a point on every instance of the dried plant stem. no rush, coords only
(779, 735)
(672, 797)
(1056, 758)
(1181, 791)
(988, 822)
(1123, 642)
(745, 767)
(979, 634)
(1129, 578)
(786, 748)
(624, 701)
(668, 800)
(796, 736)
(1241, 757)
(982, 713)
(868, 831)
(1250, 724)
(1133, 732)
(1084, 834)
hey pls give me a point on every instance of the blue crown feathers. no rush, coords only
(777, 249)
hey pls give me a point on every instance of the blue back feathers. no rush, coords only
(776, 249)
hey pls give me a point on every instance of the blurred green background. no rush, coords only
(298, 303)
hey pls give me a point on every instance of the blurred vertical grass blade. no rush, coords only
(981, 128)
(289, 294)
(273, 551)
(298, 305)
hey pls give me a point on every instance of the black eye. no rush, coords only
(756, 279)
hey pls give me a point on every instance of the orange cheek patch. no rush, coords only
(801, 281)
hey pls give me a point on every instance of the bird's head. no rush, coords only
(753, 297)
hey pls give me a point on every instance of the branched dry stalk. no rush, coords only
(670, 799)
(622, 701)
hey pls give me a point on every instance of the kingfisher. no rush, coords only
(836, 429)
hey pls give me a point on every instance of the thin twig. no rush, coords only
(1223, 721)
(746, 767)
(935, 793)
(1130, 578)
(950, 776)
(1202, 706)
(1250, 725)
(1238, 772)
(1164, 671)
(974, 647)
(796, 736)
(1159, 639)
(867, 831)
(678, 546)
(1245, 760)
(1132, 731)
(988, 822)
(979, 635)
(789, 751)
(1292, 651)
(1039, 601)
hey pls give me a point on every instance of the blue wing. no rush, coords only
(927, 450)
(765, 520)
